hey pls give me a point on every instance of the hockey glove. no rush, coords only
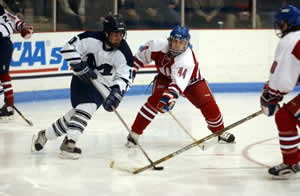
(167, 101)
(113, 99)
(83, 71)
(26, 31)
(269, 101)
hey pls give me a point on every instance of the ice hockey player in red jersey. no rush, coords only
(8, 25)
(284, 76)
(178, 74)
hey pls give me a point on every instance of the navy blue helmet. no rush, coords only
(289, 14)
(113, 23)
(179, 33)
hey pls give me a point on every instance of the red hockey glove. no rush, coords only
(167, 101)
(26, 31)
(269, 100)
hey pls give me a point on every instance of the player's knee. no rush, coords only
(285, 120)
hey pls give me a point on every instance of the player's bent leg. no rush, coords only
(57, 129)
(147, 112)
(289, 141)
(78, 121)
(145, 116)
(202, 98)
(6, 113)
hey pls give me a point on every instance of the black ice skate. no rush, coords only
(284, 171)
(226, 137)
(69, 150)
(39, 141)
(6, 113)
(132, 140)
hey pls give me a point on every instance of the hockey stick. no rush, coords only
(203, 146)
(18, 111)
(104, 92)
(185, 130)
(185, 148)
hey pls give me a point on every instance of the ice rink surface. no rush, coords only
(223, 170)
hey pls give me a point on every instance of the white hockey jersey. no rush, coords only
(9, 23)
(183, 69)
(116, 66)
(285, 71)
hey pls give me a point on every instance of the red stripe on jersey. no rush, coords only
(194, 74)
(138, 62)
(296, 50)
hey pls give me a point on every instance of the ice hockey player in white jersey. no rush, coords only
(178, 74)
(284, 76)
(8, 25)
(92, 55)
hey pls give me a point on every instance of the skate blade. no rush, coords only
(286, 177)
(68, 155)
(6, 119)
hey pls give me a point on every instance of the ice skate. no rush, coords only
(6, 113)
(132, 140)
(284, 171)
(39, 141)
(69, 150)
(226, 137)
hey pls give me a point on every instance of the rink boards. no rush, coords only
(231, 60)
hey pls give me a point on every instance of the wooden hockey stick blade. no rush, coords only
(22, 116)
(121, 167)
(185, 148)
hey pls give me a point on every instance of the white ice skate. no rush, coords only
(69, 150)
(39, 141)
(283, 171)
(132, 140)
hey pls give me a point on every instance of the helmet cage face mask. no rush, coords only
(174, 51)
(178, 33)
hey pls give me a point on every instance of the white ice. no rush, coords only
(224, 169)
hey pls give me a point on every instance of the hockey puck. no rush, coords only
(158, 168)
